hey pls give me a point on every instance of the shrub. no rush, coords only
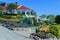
(13, 17)
(1, 20)
(54, 30)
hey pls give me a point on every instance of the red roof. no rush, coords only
(4, 7)
(23, 8)
(19, 7)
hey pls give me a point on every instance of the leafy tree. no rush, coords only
(34, 21)
(33, 12)
(12, 6)
(57, 19)
(43, 16)
(1, 11)
(51, 18)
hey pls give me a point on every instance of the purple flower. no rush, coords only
(47, 36)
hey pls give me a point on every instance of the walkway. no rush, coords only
(6, 34)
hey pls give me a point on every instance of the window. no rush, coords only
(28, 13)
(23, 12)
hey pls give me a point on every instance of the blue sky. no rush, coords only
(40, 6)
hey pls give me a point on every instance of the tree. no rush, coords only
(43, 16)
(33, 12)
(1, 11)
(12, 6)
(51, 18)
(34, 21)
(57, 19)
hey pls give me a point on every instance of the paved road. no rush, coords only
(6, 34)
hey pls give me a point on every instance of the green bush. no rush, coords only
(54, 30)
(58, 26)
(1, 20)
(13, 17)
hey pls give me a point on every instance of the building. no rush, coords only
(22, 9)
(2, 3)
